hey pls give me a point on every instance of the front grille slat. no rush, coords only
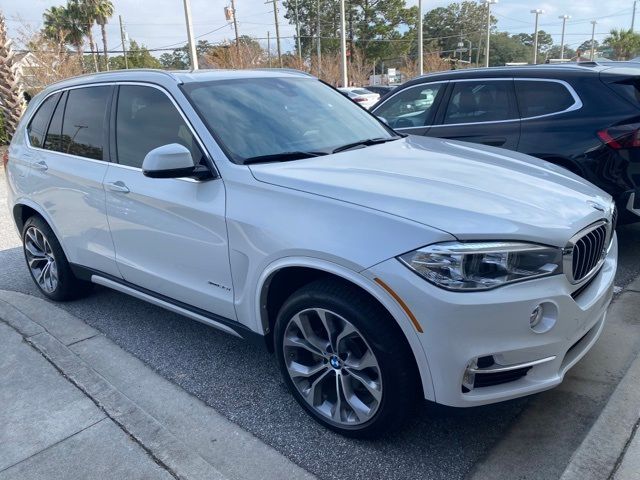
(588, 251)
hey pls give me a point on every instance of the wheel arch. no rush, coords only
(24, 209)
(285, 276)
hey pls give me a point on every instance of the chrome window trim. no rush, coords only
(216, 172)
(577, 105)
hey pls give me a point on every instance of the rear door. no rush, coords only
(412, 109)
(480, 111)
(68, 166)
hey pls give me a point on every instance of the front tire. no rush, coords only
(47, 263)
(345, 360)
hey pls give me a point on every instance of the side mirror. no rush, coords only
(168, 161)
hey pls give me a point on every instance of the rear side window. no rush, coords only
(481, 101)
(53, 140)
(84, 125)
(37, 129)
(412, 107)
(147, 119)
(537, 98)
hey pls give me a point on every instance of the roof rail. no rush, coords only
(290, 70)
(116, 72)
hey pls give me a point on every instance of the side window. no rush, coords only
(37, 129)
(542, 98)
(480, 101)
(53, 140)
(83, 127)
(147, 119)
(413, 107)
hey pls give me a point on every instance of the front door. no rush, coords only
(170, 235)
(480, 111)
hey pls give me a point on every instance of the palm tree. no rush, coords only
(85, 13)
(11, 94)
(104, 11)
(64, 26)
(624, 43)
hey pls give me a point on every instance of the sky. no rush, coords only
(159, 24)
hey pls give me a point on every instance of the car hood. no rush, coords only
(468, 190)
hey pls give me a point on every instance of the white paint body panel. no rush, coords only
(214, 244)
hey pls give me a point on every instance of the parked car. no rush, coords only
(584, 117)
(381, 90)
(361, 95)
(380, 268)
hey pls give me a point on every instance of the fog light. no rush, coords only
(536, 316)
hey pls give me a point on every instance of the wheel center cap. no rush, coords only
(335, 362)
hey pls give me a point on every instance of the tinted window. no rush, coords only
(541, 98)
(412, 107)
(480, 101)
(83, 128)
(53, 141)
(38, 127)
(147, 119)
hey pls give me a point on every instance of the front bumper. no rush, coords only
(460, 327)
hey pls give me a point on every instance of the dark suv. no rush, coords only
(584, 117)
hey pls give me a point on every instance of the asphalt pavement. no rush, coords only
(241, 382)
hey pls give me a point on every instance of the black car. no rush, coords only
(584, 117)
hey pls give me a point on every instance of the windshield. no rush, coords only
(263, 117)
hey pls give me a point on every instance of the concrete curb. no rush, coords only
(602, 450)
(74, 349)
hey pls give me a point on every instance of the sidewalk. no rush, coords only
(76, 406)
(611, 450)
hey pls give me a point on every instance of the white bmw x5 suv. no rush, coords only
(379, 268)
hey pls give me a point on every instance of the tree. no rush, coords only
(11, 93)
(585, 47)
(508, 49)
(84, 13)
(138, 56)
(179, 58)
(446, 26)
(64, 26)
(104, 11)
(624, 43)
(554, 52)
(545, 42)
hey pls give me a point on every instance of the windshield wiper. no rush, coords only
(281, 157)
(364, 143)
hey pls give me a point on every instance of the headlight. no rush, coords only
(482, 265)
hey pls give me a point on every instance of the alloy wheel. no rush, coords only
(332, 366)
(40, 259)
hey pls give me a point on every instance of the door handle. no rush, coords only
(118, 186)
(42, 166)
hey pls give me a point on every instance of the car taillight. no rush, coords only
(621, 137)
(5, 159)
(359, 99)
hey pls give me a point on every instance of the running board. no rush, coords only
(105, 282)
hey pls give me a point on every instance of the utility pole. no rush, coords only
(275, 16)
(537, 12)
(269, 47)
(343, 45)
(489, 3)
(564, 19)
(420, 41)
(192, 44)
(124, 46)
(633, 17)
(235, 26)
(593, 35)
(319, 45)
(298, 34)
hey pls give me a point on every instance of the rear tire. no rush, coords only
(345, 360)
(47, 263)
